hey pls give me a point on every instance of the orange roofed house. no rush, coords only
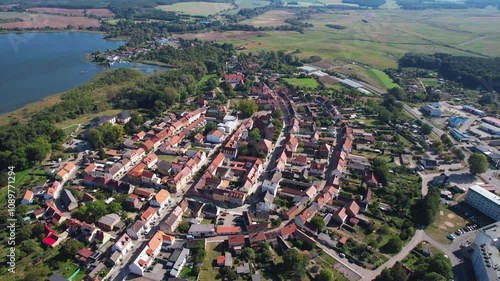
(150, 252)
(65, 172)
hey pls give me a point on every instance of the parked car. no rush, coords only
(342, 255)
(451, 236)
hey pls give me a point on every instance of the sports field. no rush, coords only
(197, 8)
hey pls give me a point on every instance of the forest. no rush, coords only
(366, 3)
(471, 72)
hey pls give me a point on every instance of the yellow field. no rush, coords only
(197, 8)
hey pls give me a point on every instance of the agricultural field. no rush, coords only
(271, 18)
(224, 36)
(197, 8)
(250, 4)
(378, 38)
(73, 12)
(381, 77)
(32, 20)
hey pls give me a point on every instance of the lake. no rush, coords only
(36, 65)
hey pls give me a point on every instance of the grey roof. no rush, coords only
(256, 277)
(137, 226)
(243, 268)
(179, 263)
(68, 197)
(110, 219)
(228, 259)
(124, 114)
(202, 228)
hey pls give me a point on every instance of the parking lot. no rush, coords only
(229, 220)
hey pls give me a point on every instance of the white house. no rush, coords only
(214, 136)
(123, 117)
(150, 252)
(150, 178)
(270, 186)
(179, 263)
(123, 245)
(161, 199)
(432, 110)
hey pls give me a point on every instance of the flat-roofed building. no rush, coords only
(484, 201)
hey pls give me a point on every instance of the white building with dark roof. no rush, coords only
(485, 257)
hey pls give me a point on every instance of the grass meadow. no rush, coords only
(197, 8)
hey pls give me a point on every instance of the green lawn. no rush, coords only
(302, 82)
(208, 272)
(446, 222)
(205, 78)
(429, 81)
(382, 78)
(326, 262)
(168, 158)
(197, 8)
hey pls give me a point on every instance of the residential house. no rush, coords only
(149, 216)
(150, 160)
(123, 244)
(202, 230)
(172, 221)
(150, 178)
(64, 173)
(236, 242)
(270, 186)
(227, 230)
(265, 146)
(124, 117)
(256, 238)
(234, 78)
(133, 203)
(27, 197)
(135, 229)
(99, 120)
(179, 263)
(147, 256)
(109, 222)
(214, 136)
(371, 180)
(53, 191)
(69, 200)
(161, 199)
(316, 168)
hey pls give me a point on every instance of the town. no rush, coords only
(276, 179)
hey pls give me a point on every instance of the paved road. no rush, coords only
(415, 113)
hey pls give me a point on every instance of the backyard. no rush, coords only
(302, 82)
(207, 271)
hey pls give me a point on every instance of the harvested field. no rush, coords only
(271, 18)
(229, 35)
(74, 12)
(197, 8)
(42, 21)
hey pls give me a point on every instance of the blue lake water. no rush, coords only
(36, 65)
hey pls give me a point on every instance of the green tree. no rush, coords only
(277, 113)
(254, 135)
(441, 265)
(211, 83)
(324, 275)
(114, 207)
(318, 222)
(396, 273)
(210, 126)
(71, 247)
(247, 108)
(29, 246)
(25, 232)
(37, 151)
(159, 106)
(478, 163)
(183, 227)
(426, 129)
(294, 264)
(393, 245)
(248, 253)
(381, 170)
(36, 273)
(433, 276)
(171, 95)
(96, 209)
